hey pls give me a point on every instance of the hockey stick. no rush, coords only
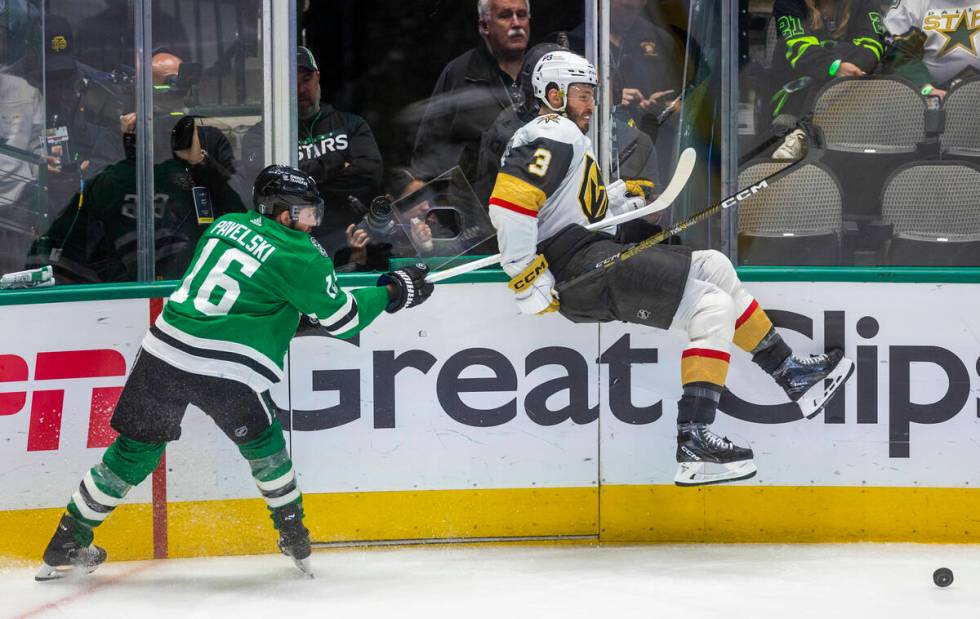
(679, 227)
(685, 167)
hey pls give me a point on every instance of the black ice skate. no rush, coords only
(703, 457)
(64, 555)
(294, 538)
(811, 382)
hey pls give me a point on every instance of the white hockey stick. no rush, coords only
(685, 167)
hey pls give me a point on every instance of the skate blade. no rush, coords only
(49, 572)
(695, 474)
(817, 396)
(304, 566)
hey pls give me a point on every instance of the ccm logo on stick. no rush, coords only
(47, 405)
(743, 195)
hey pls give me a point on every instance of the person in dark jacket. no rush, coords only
(338, 150)
(823, 39)
(472, 90)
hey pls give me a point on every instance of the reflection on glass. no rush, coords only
(202, 104)
(855, 91)
(22, 164)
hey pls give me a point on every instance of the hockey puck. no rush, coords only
(943, 577)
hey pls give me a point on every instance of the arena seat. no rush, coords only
(961, 137)
(934, 210)
(797, 221)
(870, 127)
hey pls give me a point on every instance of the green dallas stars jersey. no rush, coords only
(240, 301)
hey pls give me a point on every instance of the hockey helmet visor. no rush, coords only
(280, 188)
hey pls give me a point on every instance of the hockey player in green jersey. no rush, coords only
(219, 344)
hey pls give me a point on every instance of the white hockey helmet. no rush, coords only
(561, 68)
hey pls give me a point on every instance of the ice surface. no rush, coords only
(513, 581)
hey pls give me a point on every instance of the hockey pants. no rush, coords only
(714, 311)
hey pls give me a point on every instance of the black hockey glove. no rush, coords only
(411, 289)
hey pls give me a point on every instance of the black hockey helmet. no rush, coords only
(278, 188)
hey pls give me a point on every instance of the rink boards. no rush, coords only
(461, 419)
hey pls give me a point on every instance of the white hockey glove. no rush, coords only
(534, 288)
(620, 200)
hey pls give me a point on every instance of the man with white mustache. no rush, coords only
(472, 90)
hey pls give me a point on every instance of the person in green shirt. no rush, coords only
(219, 344)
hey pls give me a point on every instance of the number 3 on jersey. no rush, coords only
(540, 161)
(217, 277)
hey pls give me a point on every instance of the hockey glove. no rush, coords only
(619, 199)
(411, 289)
(534, 287)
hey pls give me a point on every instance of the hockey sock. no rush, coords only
(698, 403)
(272, 469)
(771, 352)
(703, 374)
(125, 464)
(751, 327)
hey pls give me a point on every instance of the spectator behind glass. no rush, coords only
(96, 240)
(472, 90)
(21, 122)
(821, 40)
(338, 150)
(646, 64)
(72, 133)
(934, 42)
(105, 40)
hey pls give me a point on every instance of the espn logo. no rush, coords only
(47, 405)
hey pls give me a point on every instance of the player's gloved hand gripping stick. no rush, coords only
(410, 286)
(685, 167)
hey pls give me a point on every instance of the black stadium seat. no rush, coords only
(870, 127)
(797, 221)
(935, 212)
(961, 138)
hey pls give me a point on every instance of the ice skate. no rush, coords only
(811, 382)
(294, 538)
(703, 457)
(64, 555)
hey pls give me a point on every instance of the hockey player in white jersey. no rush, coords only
(549, 187)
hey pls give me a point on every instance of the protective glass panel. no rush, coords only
(207, 103)
(406, 92)
(23, 201)
(443, 218)
(874, 106)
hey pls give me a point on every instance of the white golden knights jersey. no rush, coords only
(548, 180)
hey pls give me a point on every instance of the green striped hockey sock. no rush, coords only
(273, 469)
(125, 464)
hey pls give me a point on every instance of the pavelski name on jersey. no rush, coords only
(247, 239)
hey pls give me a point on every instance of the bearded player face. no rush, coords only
(581, 105)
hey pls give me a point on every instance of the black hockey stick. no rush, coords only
(736, 198)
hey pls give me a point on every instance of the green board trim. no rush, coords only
(879, 275)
